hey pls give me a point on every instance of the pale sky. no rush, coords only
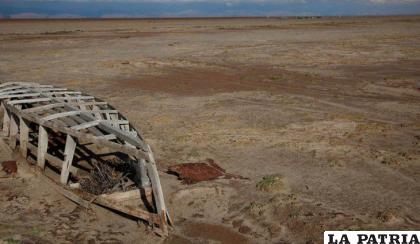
(201, 8)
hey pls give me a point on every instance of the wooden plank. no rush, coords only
(50, 89)
(20, 95)
(42, 146)
(14, 130)
(142, 171)
(60, 115)
(43, 107)
(74, 185)
(87, 103)
(102, 111)
(75, 98)
(124, 196)
(19, 85)
(74, 197)
(7, 84)
(68, 159)
(85, 125)
(13, 92)
(136, 212)
(61, 93)
(6, 121)
(157, 191)
(11, 88)
(34, 100)
(23, 137)
(107, 137)
(36, 85)
(59, 104)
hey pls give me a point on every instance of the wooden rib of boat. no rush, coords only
(66, 133)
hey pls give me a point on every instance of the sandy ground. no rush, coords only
(327, 110)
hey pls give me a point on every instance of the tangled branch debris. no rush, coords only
(102, 179)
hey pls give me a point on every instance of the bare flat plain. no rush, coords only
(327, 110)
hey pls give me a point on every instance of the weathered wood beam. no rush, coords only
(42, 146)
(20, 95)
(60, 115)
(61, 93)
(14, 130)
(23, 137)
(87, 103)
(75, 98)
(34, 100)
(86, 125)
(45, 99)
(18, 85)
(107, 137)
(6, 121)
(37, 86)
(62, 104)
(136, 212)
(50, 89)
(43, 107)
(157, 191)
(102, 112)
(68, 159)
(7, 84)
(10, 88)
(127, 195)
(14, 92)
(145, 180)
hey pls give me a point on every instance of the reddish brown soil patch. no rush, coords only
(214, 232)
(205, 81)
(9, 167)
(191, 173)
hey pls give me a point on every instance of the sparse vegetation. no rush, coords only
(11, 241)
(271, 183)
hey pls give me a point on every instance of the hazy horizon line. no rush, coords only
(212, 17)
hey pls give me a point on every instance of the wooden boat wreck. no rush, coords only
(77, 140)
